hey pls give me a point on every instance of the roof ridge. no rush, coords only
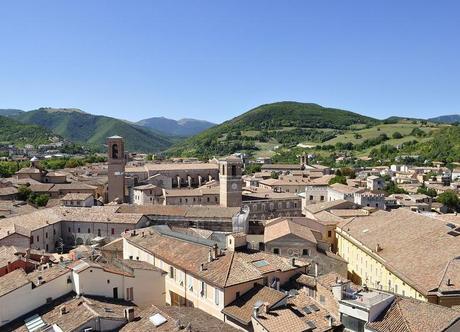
(406, 323)
(229, 268)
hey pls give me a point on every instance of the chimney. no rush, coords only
(448, 282)
(255, 312)
(337, 291)
(293, 261)
(210, 255)
(63, 310)
(129, 314)
(27, 254)
(330, 320)
(39, 280)
(202, 267)
(215, 251)
(316, 270)
(378, 248)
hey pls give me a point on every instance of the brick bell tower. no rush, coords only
(116, 169)
(230, 172)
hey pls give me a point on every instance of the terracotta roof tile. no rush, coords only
(241, 309)
(410, 315)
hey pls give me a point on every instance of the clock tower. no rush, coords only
(116, 169)
(230, 171)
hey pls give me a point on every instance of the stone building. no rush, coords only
(116, 168)
(230, 181)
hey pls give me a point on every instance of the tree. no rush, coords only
(24, 193)
(149, 157)
(274, 175)
(338, 179)
(450, 199)
(41, 200)
(397, 135)
(252, 168)
(427, 191)
(392, 188)
(348, 171)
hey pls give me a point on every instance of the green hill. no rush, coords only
(278, 123)
(20, 134)
(78, 126)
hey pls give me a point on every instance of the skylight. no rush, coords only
(260, 263)
(158, 319)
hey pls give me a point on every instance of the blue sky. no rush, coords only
(216, 59)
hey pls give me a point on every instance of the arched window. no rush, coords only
(114, 151)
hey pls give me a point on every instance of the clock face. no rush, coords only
(234, 186)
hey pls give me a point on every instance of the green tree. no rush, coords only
(24, 193)
(41, 200)
(450, 199)
(274, 175)
(427, 191)
(338, 179)
(252, 168)
(392, 188)
(149, 157)
(397, 135)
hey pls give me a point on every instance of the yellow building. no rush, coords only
(405, 253)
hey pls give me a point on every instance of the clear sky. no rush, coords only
(216, 59)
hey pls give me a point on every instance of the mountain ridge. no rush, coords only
(81, 127)
(182, 127)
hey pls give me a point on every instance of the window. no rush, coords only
(233, 170)
(276, 251)
(322, 198)
(98, 232)
(68, 229)
(322, 299)
(113, 231)
(171, 272)
(78, 229)
(216, 296)
(38, 238)
(329, 233)
(46, 235)
(305, 252)
(190, 283)
(129, 294)
(89, 230)
(203, 289)
(108, 281)
(237, 294)
(131, 257)
(311, 197)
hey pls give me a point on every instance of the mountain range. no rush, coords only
(182, 127)
(260, 130)
(80, 127)
(446, 118)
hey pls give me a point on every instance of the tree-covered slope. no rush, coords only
(78, 126)
(20, 134)
(10, 112)
(183, 127)
(446, 118)
(281, 121)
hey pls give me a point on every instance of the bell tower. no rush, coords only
(116, 169)
(230, 172)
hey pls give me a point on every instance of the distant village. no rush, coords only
(134, 244)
